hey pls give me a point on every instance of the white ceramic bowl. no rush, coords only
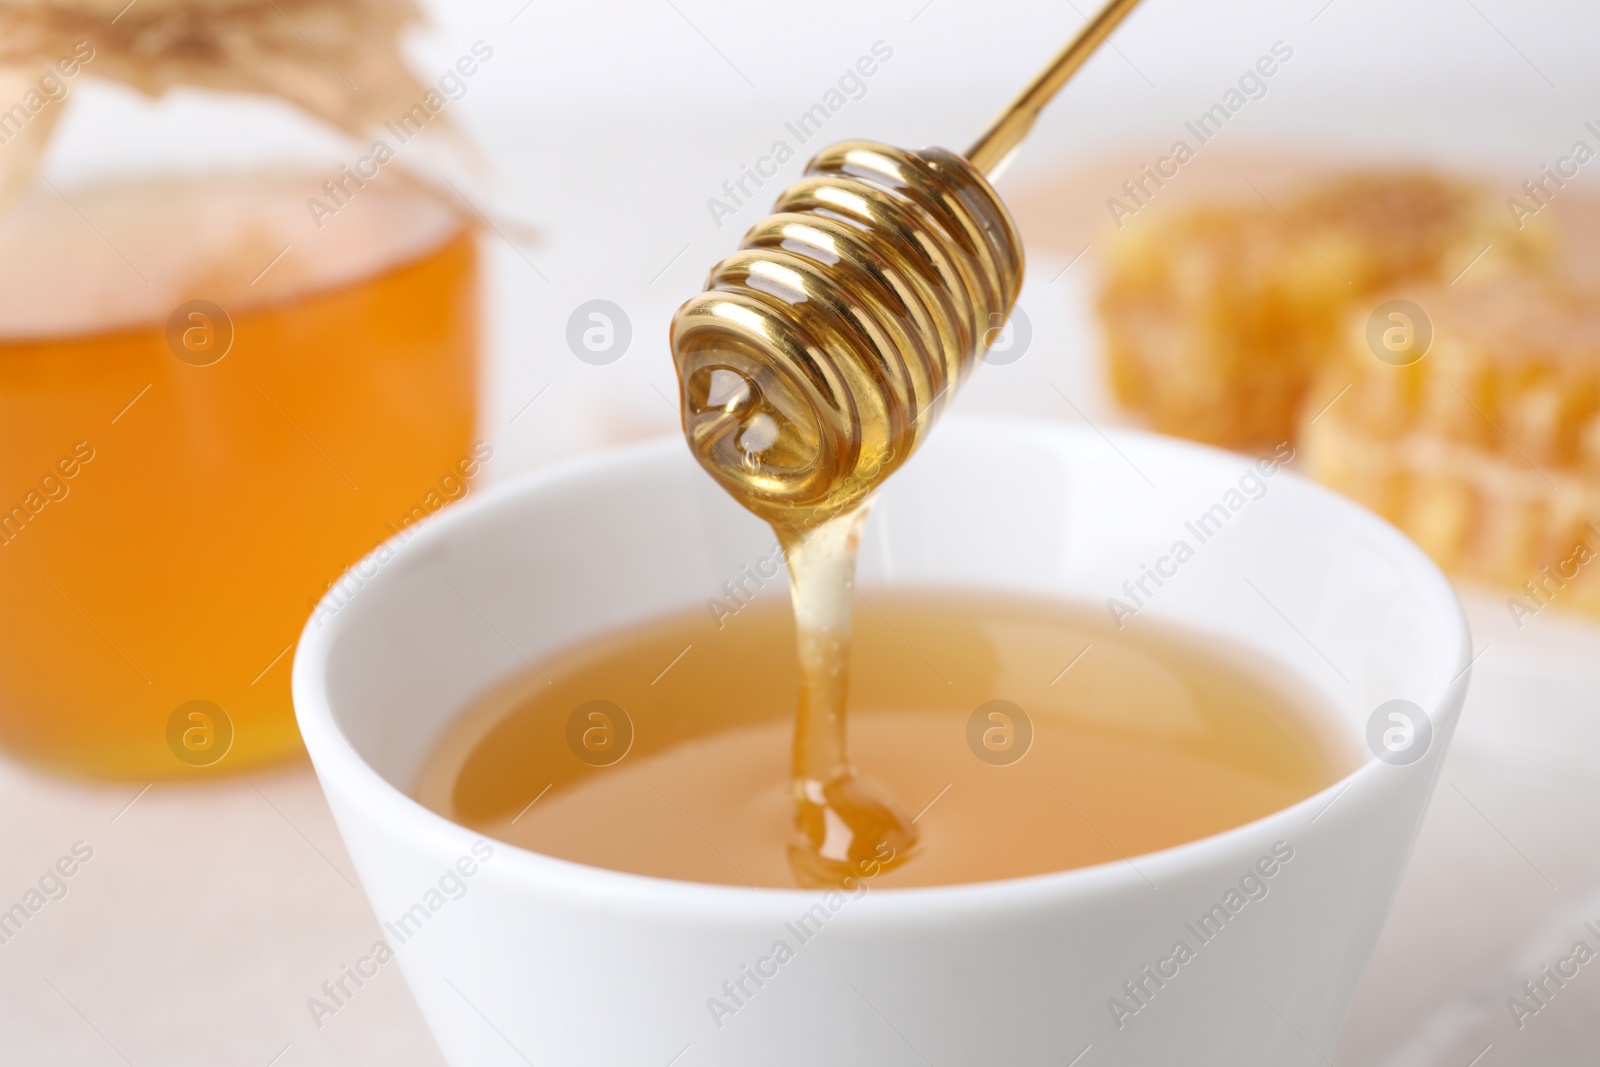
(520, 958)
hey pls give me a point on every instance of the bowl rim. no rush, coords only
(346, 776)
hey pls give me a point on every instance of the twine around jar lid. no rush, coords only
(338, 60)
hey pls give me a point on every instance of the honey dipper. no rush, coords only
(818, 356)
(823, 350)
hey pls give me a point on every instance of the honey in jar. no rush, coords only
(209, 409)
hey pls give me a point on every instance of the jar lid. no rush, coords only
(337, 59)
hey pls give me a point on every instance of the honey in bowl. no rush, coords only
(1028, 736)
(209, 409)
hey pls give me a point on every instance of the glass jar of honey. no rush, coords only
(214, 398)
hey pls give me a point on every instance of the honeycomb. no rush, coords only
(1218, 316)
(1486, 450)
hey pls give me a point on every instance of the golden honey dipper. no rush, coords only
(824, 348)
(810, 368)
